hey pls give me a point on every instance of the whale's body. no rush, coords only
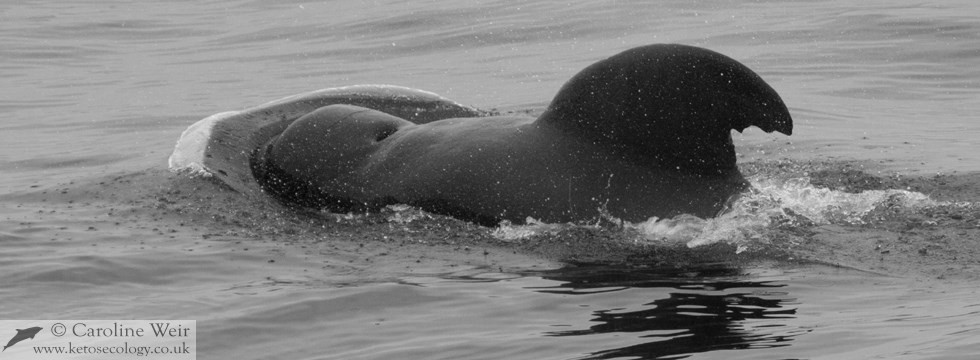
(644, 133)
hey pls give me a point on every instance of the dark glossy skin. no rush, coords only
(644, 133)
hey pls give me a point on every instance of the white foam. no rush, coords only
(188, 155)
(404, 214)
(509, 232)
(822, 205)
(794, 200)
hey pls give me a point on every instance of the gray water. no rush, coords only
(94, 95)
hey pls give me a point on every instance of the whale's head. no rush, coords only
(672, 105)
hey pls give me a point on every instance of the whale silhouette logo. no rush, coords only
(22, 334)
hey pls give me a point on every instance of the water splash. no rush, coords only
(404, 214)
(770, 203)
(822, 205)
(510, 232)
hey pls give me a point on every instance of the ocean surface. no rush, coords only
(860, 240)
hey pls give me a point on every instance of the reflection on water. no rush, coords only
(691, 312)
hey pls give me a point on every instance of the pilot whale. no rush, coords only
(643, 133)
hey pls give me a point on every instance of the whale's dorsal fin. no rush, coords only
(672, 104)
